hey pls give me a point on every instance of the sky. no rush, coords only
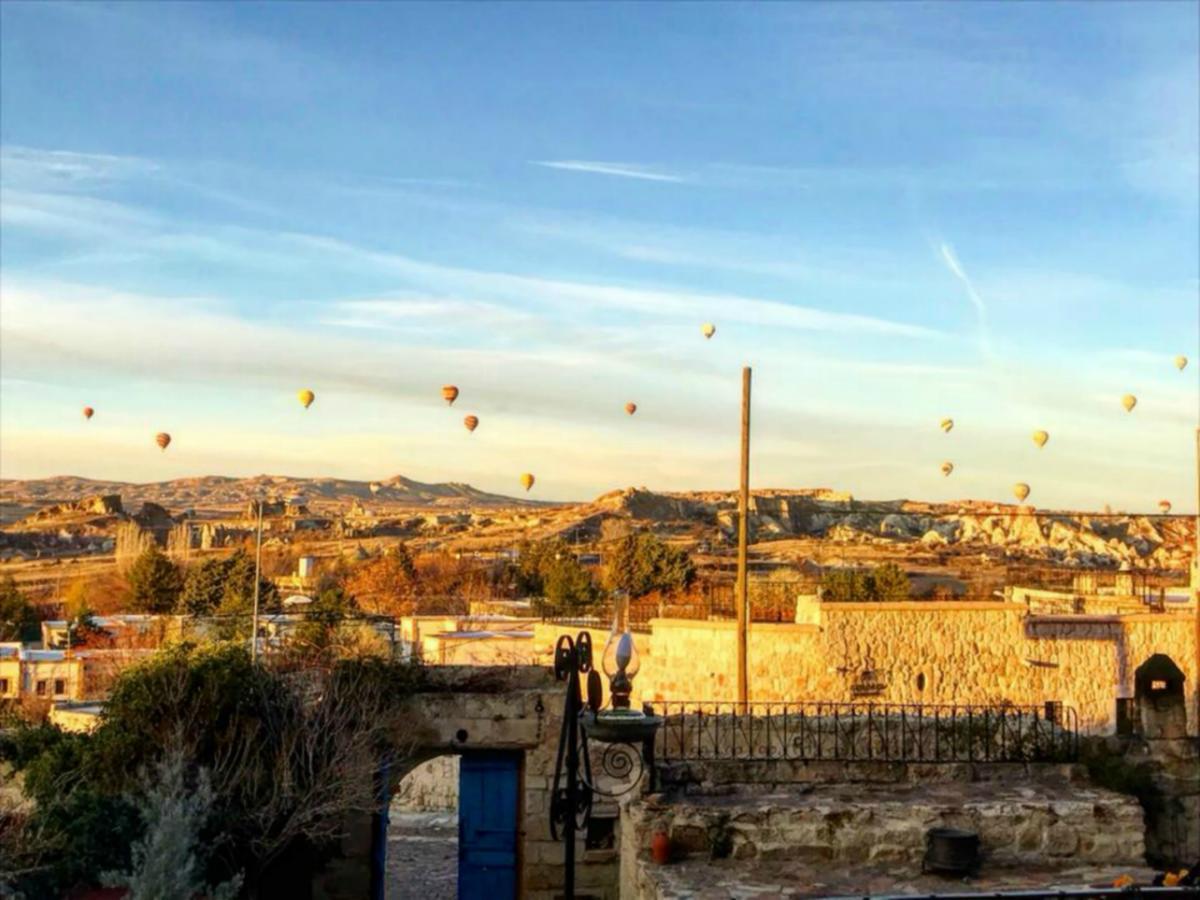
(893, 213)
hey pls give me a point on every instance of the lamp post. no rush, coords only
(620, 728)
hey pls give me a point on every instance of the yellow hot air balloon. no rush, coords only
(947, 467)
(1164, 506)
(472, 422)
(449, 393)
(708, 329)
(946, 425)
(1181, 362)
(527, 481)
(1020, 490)
(631, 408)
(1129, 402)
(88, 412)
(162, 439)
(1040, 438)
(306, 397)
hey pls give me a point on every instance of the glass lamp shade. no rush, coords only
(620, 664)
(621, 656)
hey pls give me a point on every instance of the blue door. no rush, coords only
(488, 785)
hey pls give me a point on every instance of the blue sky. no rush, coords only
(894, 212)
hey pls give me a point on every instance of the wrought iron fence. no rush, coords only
(862, 732)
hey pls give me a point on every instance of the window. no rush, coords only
(60, 686)
(3, 685)
(920, 681)
(41, 688)
(1158, 685)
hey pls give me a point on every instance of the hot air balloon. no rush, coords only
(88, 412)
(947, 467)
(631, 408)
(306, 397)
(1021, 490)
(162, 439)
(1129, 402)
(1040, 438)
(1164, 506)
(1181, 362)
(472, 422)
(527, 481)
(449, 393)
(708, 329)
(947, 424)
(375, 487)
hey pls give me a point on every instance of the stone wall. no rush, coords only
(516, 709)
(1026, 825)
(924, 652)
(430, 787)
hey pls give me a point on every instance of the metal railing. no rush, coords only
(866, 732)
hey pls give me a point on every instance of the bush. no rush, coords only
(289, 755)
(885, 584)
(640, 563)
(154, 582)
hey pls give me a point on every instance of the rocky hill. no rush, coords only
(1053, 536)
(215, 492)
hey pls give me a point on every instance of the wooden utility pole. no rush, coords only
(1195, 580)
(743, 581)
(257, 577)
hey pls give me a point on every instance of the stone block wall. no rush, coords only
(430, 787)
(924, 652)
(1030, 825)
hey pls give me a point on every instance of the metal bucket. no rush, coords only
(952, 851)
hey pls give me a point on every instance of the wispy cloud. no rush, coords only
(66, 169)
(621, 170)
(957, 270)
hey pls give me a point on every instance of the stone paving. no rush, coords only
(422, 856)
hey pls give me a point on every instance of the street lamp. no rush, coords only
(620, 728)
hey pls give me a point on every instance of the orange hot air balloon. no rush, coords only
(162, 439)
(1040, 438)
(631, 408)
(708, 329)
(88, 412)
(1164, 506)
(527, 481)
(947, 467)
(306, 397)
(1020, 490)
(472, 422)
(449, 393)
(1129, 402)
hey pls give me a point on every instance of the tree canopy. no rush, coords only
(885, 583)
(18, 621)
(642, 562)
(154, 582)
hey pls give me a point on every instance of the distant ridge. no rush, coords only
(217, 491)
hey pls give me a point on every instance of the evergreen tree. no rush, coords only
(17, 618)
(643, 562)
(154, 582)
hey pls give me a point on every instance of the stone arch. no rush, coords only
(514, 709)
(1161, 698)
